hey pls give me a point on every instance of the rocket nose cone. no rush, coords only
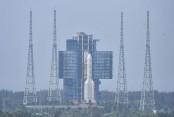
(89, 56)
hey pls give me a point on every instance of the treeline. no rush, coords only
(15, 114)
(163, 100)
(12, 100)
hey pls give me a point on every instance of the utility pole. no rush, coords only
(30, 90)
(147, 94)
(121, 96)
(54, 91)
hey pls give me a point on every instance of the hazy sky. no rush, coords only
(98, 17)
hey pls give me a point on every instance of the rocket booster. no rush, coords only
(89, 83)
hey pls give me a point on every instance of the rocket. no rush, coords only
(89, 83)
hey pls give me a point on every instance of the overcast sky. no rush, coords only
(98, 17)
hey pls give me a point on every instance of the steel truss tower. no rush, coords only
(30, 90)
(54, 91)
(147, 95)
(121, 96)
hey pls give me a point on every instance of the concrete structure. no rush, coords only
(72, 66)
(89, 83)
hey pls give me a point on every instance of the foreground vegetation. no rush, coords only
(84, 112)
(11, 106)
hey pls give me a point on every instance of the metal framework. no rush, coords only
(121, 96)
(147, 95)
(30, 90)
(86, 44)
(54, 91)
(102, 65)
(72, 66)
(69, 70)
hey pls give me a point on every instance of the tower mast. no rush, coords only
(147, 94)
(121, 96)
(54, 91)
(30, 90)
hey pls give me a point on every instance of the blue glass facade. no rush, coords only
(71, 66)
(102, 65)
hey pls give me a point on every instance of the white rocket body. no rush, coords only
(89, 83)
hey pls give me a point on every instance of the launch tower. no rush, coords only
(72, 66)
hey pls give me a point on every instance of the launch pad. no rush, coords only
(60, 106)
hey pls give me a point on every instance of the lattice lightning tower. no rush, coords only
(147, 95)
(121, 96)
(30, 90)
(54, 91)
